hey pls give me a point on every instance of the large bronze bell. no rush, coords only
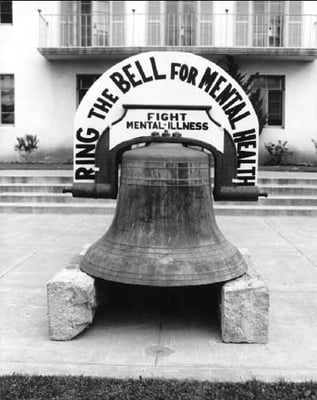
(164, 231)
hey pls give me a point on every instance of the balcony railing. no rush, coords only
(210, 30)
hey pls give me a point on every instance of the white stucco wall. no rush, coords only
(45, 91)
(300, 107)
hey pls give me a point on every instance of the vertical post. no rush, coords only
(69, 41)
(314, 35)
(133, 26)
(43, 30)
(226, 27)
(40, 28)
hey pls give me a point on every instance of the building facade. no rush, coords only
(52, 51)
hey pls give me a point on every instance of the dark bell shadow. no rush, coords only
(191, 307)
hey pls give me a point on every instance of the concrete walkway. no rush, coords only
(143, 335)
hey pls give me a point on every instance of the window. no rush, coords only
(85, 23)
(83, 84)
(268, 23)
(5, 12)
(180, 23)
(92, 23)
(6, 99)
(272, 92)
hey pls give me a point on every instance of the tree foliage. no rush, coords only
(247, 84)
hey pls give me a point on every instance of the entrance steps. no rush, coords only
(290, 193)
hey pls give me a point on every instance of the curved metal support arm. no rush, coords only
(107, 161)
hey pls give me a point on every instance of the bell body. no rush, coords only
(164, 231)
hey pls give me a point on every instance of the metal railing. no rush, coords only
(211, 30)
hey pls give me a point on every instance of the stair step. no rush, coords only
(287, 181)
(289, 189)
(12, 179)
(42, 192)
(65, 176)
(48, 198)
(32, 187)
(29, 207)
(58, 187)
(109, 209)
(67, 179)
(291, 200)
(67, 198)
(267, 210)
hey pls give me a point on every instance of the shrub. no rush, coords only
(279, 153)
(26, 145)
(315, 144)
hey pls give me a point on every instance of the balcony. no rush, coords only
(80, 36)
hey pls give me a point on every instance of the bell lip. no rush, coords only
(204, 268)
(146, 281)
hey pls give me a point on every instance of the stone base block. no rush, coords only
(72, 301)
(244, 308)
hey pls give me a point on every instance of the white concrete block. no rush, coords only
(244, 308)
(72, 301)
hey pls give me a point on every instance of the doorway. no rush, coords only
(181, 23)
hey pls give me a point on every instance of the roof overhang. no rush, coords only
(117, 53)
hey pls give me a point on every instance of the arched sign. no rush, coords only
(173, 92)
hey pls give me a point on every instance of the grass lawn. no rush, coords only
(24, 387)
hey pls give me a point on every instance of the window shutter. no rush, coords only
(101, 23)
(154, 23)
(206, 23)
(118, 23)
(68, 23)
(260, 23)
(295, 24)
(242, 23)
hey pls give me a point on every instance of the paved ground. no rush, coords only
(143, 334)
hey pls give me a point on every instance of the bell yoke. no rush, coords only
(164, 231)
